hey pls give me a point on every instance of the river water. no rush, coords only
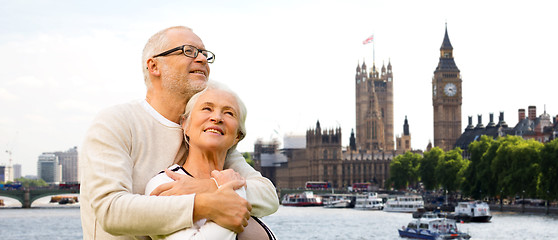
(290, 223)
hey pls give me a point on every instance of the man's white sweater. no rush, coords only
(124, 148)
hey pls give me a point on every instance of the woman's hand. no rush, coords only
(183, 184)
(225, 176)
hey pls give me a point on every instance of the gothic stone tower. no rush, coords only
(323, 149)
(446, 98)
(374, 109)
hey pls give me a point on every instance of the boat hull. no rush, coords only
(426, 235)
(467, 218)
(302, 204)
(415, 235)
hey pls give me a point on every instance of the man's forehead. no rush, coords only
(179, 37)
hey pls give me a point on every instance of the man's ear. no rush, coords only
(153, 68)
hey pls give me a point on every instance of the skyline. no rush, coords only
(292, 62)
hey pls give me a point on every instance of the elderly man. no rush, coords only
(127, 144)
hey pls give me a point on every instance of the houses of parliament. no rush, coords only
(319, 156)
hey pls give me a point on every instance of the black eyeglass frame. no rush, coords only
(204, 52)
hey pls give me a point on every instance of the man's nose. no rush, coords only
(201, 58)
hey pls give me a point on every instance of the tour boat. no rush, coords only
(406, 203)
(301, 199)
(430, 226)
(473, 211)
(369, 201)
(338, 201)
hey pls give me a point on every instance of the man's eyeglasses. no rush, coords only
(190, 51)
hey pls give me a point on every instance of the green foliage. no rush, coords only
(476, 177)
(516, 166)
(25, 182)
(404, 170)
(427, 168)
(507, 166)
(248, 158)
(449, 171)
(547, 180)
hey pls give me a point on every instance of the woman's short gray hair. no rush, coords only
(242, 111)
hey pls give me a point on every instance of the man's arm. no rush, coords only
(223, 206)
(260, 191)
(106, 168)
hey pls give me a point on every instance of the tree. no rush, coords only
(449, 171)
(25, 182)
(404, 170)
(427, 168)
(516, 165)
(548, 176)
(477, 175)
(248, 158)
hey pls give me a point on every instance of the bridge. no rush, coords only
(27, 196)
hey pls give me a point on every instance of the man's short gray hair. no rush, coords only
(154, 45)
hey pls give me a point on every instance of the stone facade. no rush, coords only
(446, 98)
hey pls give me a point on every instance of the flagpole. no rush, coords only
(373, 53)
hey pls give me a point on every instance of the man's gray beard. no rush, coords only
(178, 83)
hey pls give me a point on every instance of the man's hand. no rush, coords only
(183, 184)
(224, 207)
(226, 176)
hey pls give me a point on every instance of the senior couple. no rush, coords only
(187, 126)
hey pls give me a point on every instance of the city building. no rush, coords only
(543, 128)
(69, 163)
(17, 171)
(55, 167)
(403, 142)
(374, 108)
(6, 173)
(446, 98)
(48, 168)
(320, 158)
(2, 173)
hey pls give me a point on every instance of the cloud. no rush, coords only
(7, 95)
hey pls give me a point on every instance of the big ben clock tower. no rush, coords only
(446, 98)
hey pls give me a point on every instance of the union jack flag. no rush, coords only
(368, 40)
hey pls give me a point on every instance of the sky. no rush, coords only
(292, 62)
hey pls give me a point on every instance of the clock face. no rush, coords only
(450, 89)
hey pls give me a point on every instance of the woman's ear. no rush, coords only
(239, 136)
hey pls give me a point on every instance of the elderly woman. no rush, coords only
(213, 124)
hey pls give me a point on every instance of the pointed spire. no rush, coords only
(446, 44)
(383, 67)
(406, 127)
(352, 140)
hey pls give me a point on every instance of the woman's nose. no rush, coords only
(216, 118)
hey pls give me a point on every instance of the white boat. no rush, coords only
(304, 199)
(337, 201)
(430, 226)
(406, 203)
(369, 201)
(473, 211)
